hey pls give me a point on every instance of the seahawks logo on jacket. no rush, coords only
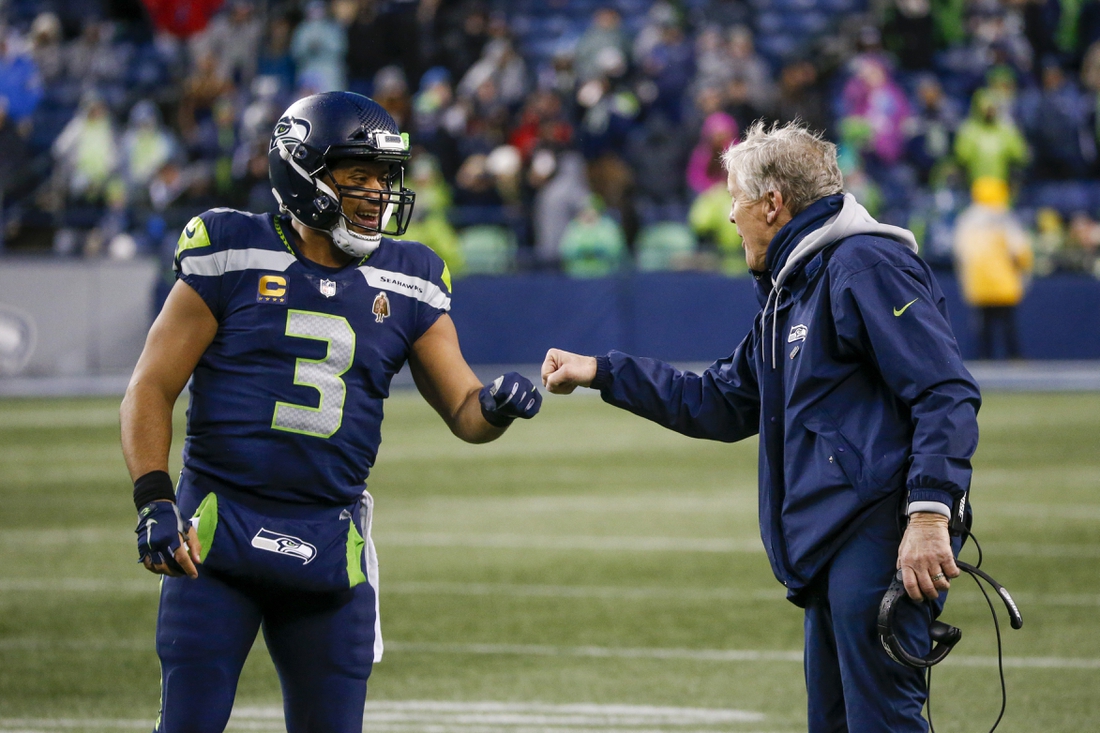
(798, 333)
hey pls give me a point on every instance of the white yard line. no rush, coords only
(590, 543)
(585, 543)
(540, 650)
(598, 652)
(725, 499)
(510, 590)
(39, 416)
(675, 544)
(1026, 510)
(459, 717)
(714, 655)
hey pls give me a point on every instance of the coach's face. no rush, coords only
(757, 222)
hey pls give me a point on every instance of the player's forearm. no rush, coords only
(469, 424)
(146, 422)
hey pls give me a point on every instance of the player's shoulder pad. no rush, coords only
(411, 269)
(421, 260)
(226, 239)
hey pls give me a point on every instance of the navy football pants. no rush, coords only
(853, 686)
(322, 646)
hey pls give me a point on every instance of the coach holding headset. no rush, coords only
(866, 415)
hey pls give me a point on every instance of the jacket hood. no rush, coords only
(794, 247)
(850, 220)
(791, 235)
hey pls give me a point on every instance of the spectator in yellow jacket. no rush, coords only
(992, 260)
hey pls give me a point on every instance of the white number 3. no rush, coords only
(323, 375)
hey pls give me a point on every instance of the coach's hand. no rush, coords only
(563, 372)
(507, 397)
(162, 548)
(925, 558)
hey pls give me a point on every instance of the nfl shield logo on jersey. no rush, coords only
(381, 307)
(328, 288)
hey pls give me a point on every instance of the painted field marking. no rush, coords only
(551, 542)
(1027, 510)
(673, 544)
(150, 586)
(462, 717)
(542, 650)
(22, 418)
(727, 499)
(714, 655)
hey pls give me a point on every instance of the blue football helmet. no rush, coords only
(313, 134)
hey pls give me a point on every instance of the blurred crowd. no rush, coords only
(580, 135)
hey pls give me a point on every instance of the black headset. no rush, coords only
(944, 635)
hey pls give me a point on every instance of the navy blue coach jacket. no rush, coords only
(851, 376)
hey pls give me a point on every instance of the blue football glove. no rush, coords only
(159, 529)
(509, 396)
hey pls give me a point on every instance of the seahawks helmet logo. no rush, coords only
(291, 128)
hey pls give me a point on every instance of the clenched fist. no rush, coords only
(563, 372)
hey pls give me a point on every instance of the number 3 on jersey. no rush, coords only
(322, 374)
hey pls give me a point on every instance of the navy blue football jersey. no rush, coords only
(286, 403)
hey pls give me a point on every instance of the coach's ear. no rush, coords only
(774, 206)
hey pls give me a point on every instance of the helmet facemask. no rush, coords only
(395, 201)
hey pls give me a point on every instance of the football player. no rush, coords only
(290, 328)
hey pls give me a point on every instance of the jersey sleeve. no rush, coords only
(200, 262)
(437, 294)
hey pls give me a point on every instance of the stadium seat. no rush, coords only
(780, 47)
(789, 8)
(488, 249)
(48, 122)
(661, 246)
(655, 213)
(843, 6)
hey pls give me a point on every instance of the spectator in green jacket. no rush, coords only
(709, 218)
(987, 145)
(429, 223)
(593, 244)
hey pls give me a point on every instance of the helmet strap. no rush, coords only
(354, 244)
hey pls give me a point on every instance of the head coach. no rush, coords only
(866, 415)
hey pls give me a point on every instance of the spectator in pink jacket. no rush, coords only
(705, 166)
(873, 95)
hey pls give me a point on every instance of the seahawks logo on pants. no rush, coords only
(284, 544)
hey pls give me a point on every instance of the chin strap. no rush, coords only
(356, 245)
(353, 243)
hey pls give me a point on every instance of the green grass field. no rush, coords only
(585, 573)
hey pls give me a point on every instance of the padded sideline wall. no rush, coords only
(91, 316)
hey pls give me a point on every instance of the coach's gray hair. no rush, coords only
(789, 158)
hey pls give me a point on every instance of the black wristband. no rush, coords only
(153, 486)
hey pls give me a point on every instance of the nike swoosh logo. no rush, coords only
(898, 312)
(189, 232)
